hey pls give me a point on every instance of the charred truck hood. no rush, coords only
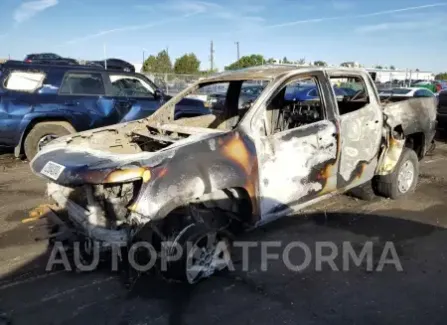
(92, 156)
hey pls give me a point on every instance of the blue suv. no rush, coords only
(41, 102)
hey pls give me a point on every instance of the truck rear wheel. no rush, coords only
(42, 133)
(403, 179)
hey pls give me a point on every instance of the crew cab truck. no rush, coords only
(40, 102)
(194, 181)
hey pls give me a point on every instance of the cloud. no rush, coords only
(192, 6)
(377, 13)
(29, 9)
(127, 29)
(187, 9)
(215, 10)
(402, 26)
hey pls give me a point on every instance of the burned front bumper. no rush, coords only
(87, 221)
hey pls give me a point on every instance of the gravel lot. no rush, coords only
(416, 225)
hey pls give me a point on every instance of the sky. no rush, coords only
(404, 33)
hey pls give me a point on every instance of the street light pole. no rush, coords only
(237, 48)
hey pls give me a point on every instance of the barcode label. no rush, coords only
(52, 170)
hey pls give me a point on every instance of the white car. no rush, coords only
(406, 92)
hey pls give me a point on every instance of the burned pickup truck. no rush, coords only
(199, 179)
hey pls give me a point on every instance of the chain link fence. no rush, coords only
(172, 83)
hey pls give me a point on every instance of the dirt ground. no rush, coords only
(417, 295)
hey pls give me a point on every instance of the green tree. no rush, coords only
(246, 61)
(270, 61)
(441, 76)
(378, 67)
(392, 67)
(320, 64)
(284, 60)
(301, 61)
(164, 62)
(150, 64)
(187, 64)
(158, 64)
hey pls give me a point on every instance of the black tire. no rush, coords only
(387, 185)
(40, 130)
(363, 192)
(177, 270)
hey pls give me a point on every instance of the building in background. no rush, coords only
(138, 66)
(388, 75)
(351, 64)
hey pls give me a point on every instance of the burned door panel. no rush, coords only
(361, 134)
(294, 166)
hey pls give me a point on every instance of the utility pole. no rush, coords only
(212, 56)
(237, 48)
(143, 57)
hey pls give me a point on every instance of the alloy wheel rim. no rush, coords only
(45, 140)
(206, 256)
(405, 178)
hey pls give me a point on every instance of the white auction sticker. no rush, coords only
(52, 170)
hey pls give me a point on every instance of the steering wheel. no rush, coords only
(247, 105)
(357, 94)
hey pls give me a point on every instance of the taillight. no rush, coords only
(28, 61)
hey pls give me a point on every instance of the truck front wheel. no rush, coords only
(203, 252)
(403, 179)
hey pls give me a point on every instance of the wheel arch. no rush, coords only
(237, 197)
(416, 141)
(19, 149)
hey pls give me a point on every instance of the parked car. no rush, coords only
(348, 91)
(248, 94)
(397, 94)
(42, 102)
(309, 92)
(442, 109)
(434, 86)
(49, 58)
(115, 64)
(185, 187)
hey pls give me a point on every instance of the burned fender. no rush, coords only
(226, 161)
(416, 115)
(413, 115)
